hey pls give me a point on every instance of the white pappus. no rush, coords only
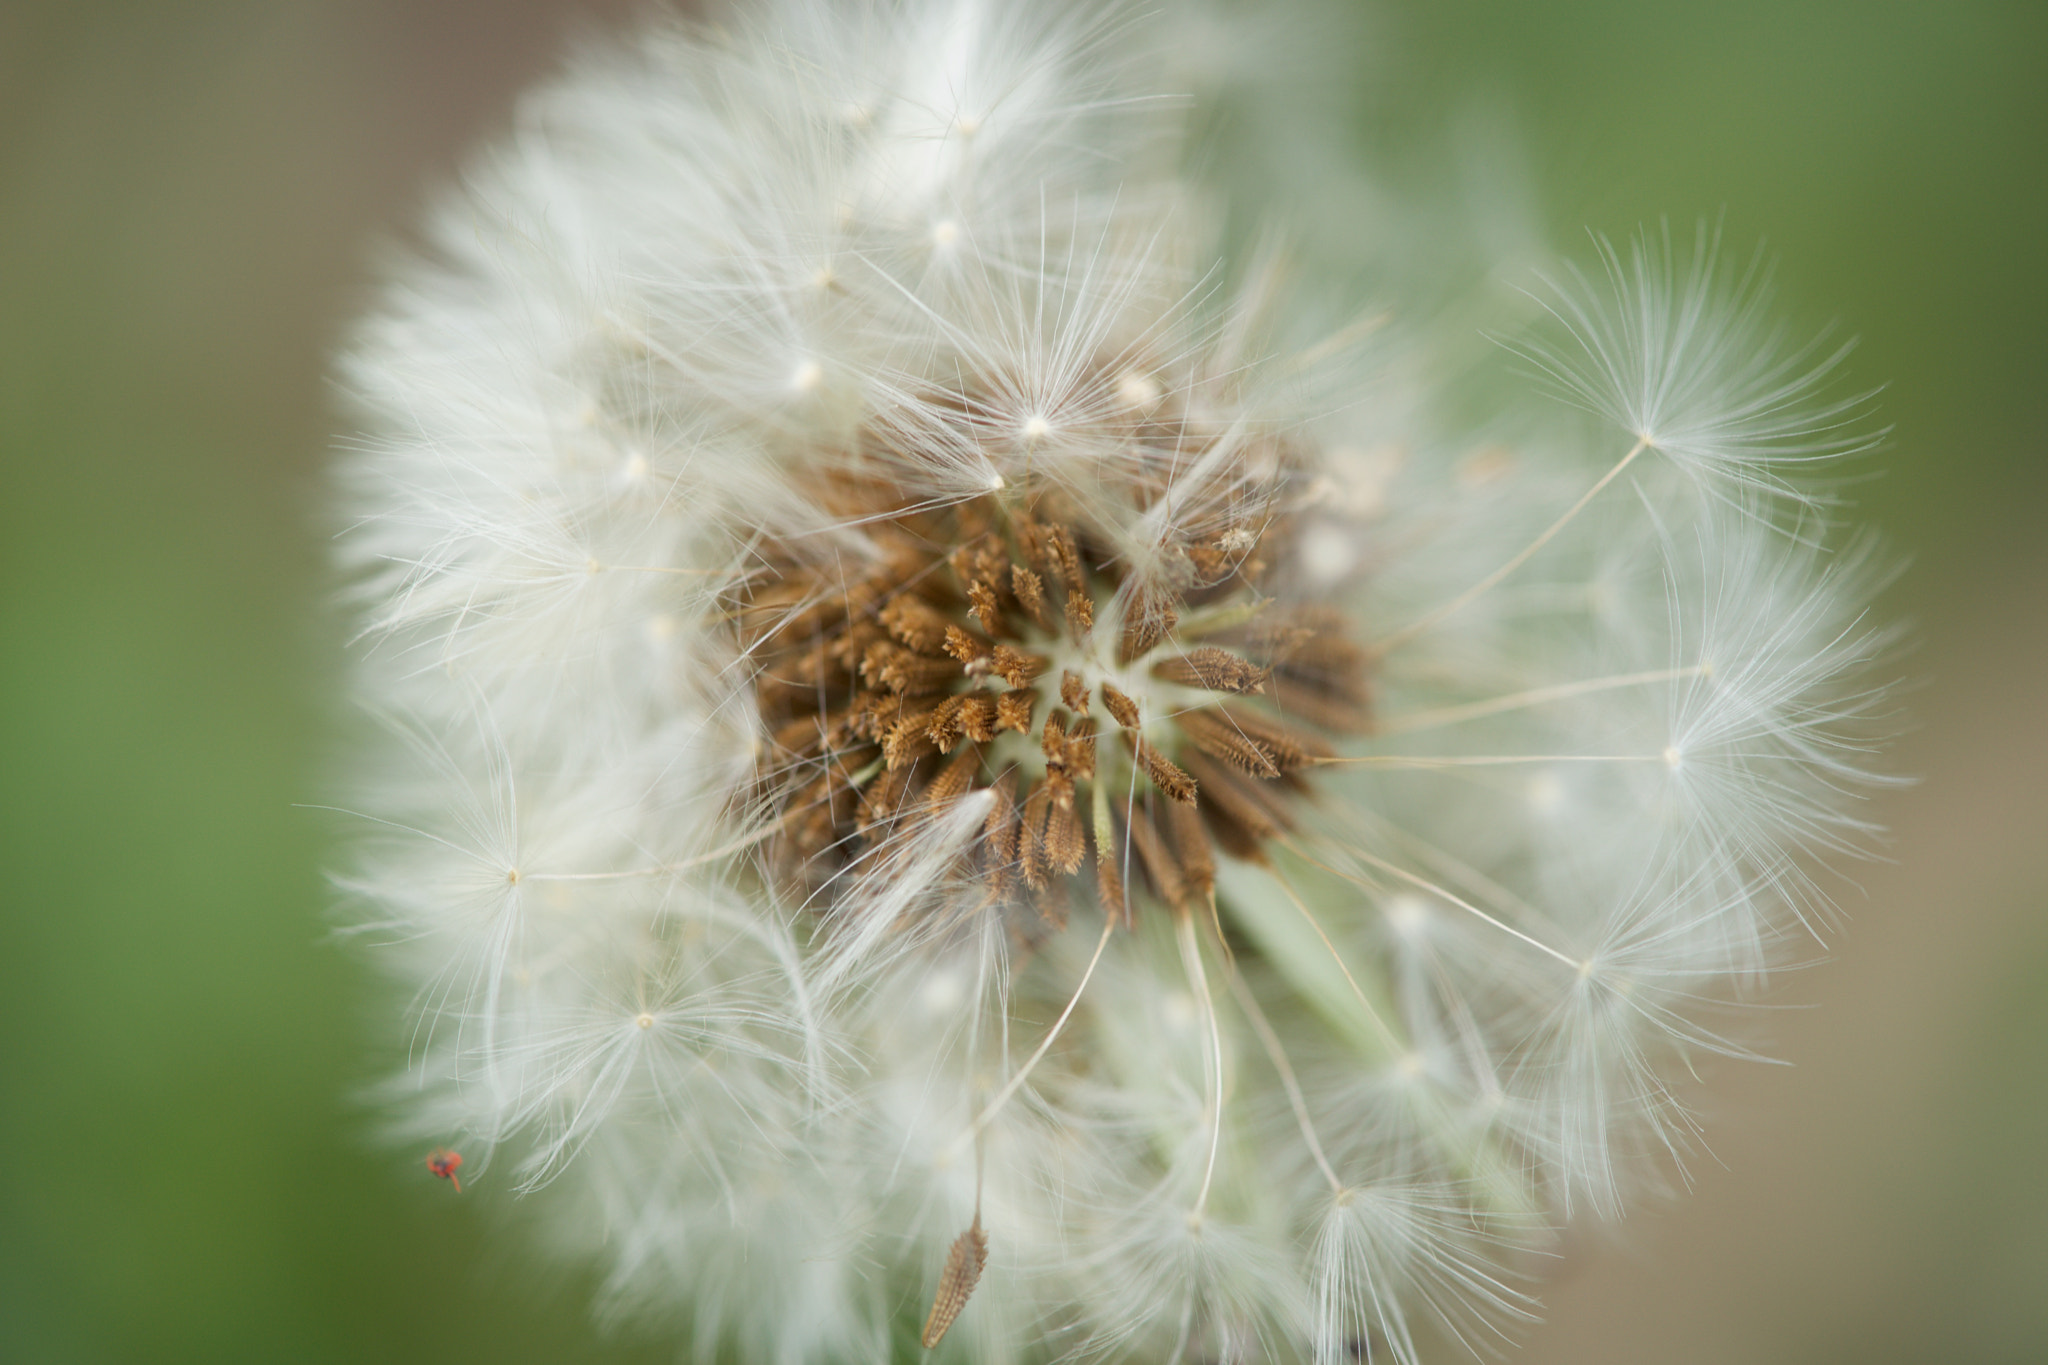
(966, 773)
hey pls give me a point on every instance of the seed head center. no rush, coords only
(997, 649)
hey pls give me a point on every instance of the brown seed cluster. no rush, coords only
(966, 657)
(964, 1264)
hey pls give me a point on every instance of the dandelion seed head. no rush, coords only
(1678, 350)
(931, 703)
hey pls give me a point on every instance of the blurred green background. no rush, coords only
(187, 197)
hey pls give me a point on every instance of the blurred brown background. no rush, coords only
(188, 196)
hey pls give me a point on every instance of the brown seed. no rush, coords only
(1212, 564)
(873, 713)
(1030, 538)
(1214, 735)
(795, 680)
(1109, 881)
(953, 782)
(890, 665)
(1001, 834)
(1080, 758)
(979, 714)
(1031, 849)
(1290, 748)
(1161, 867)
(1052, 740)
(885, 796)
(1121, 708)
(1073, 692)
(1063, 557)
(976, 519)
(1015, 668)
(1065, 847)
(812, 834)
(1311, 646)
(1080, 616)
(1165, 776)
(1030, 591)
(804, 735)
(1230, 836)
(981, 599)
(1191, 845)
(847, 650)
(1338, 681)
(1052, 904)
(966, 647)
(816, 798)
(1151, 617)
(915, 623)
(943, 724)
(956, 1282)
(909, 739)
(1297, 625)
(1217, 670)
(786, 611)
(961, 561)
(1013, 710)
(1236, 551)
(1253, 806)
(980, 559)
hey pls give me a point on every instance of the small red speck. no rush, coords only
(444, 1163)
